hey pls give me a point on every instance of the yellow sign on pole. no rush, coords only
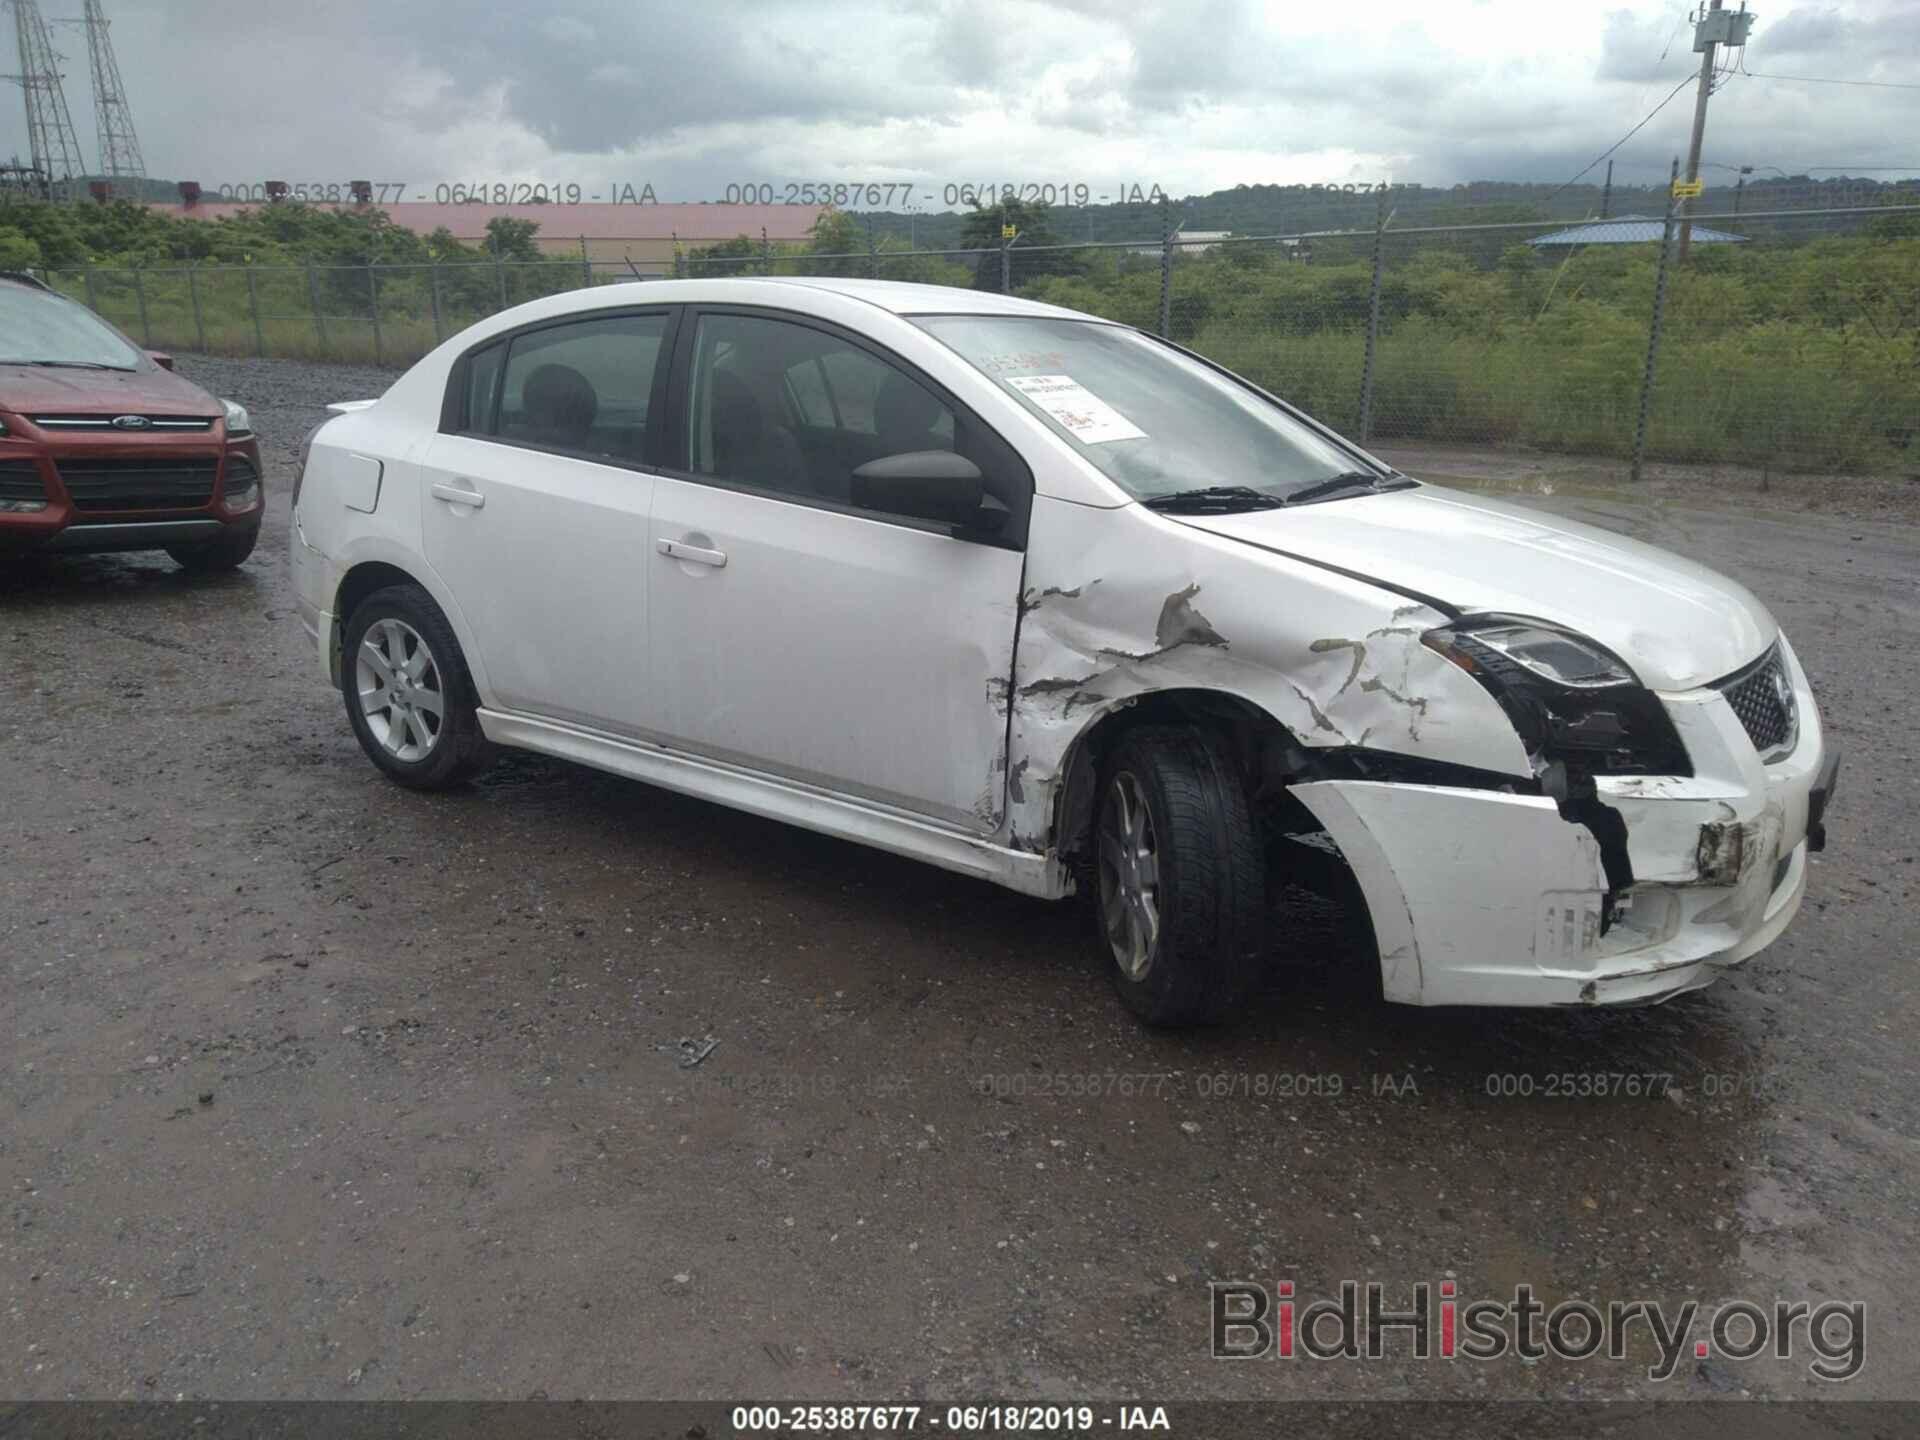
(1687, 189)
(1007, 232)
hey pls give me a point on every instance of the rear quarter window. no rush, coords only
(482, 388)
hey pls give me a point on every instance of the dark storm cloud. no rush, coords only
(1875, 41)
(596, 75)
(1641, 47)
(1201, 53)
(1803, 33)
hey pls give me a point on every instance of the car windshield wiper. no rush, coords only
(1367, 480)
(1214, 498)
(67, 364)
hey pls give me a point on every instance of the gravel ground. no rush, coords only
(314, 1087)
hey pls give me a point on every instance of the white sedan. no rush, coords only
(1043, 599)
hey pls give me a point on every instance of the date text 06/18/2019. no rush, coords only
(842, 194)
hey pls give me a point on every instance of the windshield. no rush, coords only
(37, 328)
(1156, 422)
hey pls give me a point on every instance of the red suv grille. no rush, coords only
(169, 423)
(143, 484)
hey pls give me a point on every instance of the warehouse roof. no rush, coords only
(1628, 230)
(700, 223)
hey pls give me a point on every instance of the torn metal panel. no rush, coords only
(1121, 604)
(1725, 851)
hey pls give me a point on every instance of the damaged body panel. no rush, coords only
(1122, 604)
(1481, 889)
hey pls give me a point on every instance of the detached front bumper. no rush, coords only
(1486, 898)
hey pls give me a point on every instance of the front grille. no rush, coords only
(172, 424)
(139, 484)
(1762, 696)
(20, 480)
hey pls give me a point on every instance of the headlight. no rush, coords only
(1572, 702)
(1551, 654)
(239, 423)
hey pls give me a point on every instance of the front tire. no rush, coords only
(409, 698)
(213, 556)
(1181, 881)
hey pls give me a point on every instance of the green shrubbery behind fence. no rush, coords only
(1796, 348)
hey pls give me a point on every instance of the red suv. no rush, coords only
(102, 447)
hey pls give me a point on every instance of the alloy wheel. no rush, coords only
(1129, 877)
(401, 695)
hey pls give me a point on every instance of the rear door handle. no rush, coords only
(680, 550)
(454, 495)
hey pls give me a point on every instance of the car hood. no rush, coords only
(1678, 624)
(27, 389)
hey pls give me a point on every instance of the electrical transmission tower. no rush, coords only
(54, 153)
(112, 116)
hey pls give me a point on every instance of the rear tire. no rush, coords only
(213, 556)
(1180, 877)
(409, 697)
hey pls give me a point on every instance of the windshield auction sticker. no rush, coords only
(1085, 416)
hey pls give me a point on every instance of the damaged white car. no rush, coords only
(1045, 600)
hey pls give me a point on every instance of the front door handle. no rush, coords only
(680, 550)
(454, 495)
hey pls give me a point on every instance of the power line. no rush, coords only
(1824, 80)
(1808, 170)
(1664, 49)
(1628, 136)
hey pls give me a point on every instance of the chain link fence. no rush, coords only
(1787, 340)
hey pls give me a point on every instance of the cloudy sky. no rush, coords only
(1192, 95)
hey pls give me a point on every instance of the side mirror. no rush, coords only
(161, 358)
(930, 485)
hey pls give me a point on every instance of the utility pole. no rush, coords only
(1653, 328)
(1606, 195)
(1714, 27)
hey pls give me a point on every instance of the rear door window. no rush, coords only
(582, 387)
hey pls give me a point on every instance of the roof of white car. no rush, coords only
(898, 296)
(905, 298)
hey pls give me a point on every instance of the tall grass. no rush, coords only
(1783, 395)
